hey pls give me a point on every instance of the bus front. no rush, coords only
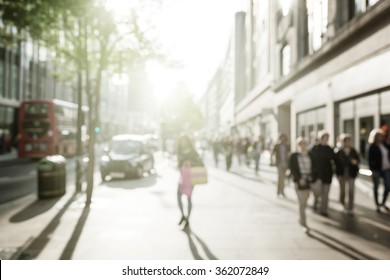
(36, 123)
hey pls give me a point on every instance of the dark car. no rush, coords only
(126, 156)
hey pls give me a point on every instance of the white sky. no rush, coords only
(196, 32)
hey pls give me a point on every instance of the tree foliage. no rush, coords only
(86, 37)
(179, 112)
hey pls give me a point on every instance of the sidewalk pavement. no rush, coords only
(247, 222)
(363, 182)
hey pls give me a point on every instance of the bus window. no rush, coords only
(37, 110)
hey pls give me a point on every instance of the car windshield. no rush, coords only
(126, 147)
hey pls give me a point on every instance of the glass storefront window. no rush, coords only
(285, 6)
(286, 60)
(385, 102)
(348, 127)
(372, 2)
(317, 22)
(309, 123)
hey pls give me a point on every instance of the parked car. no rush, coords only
(126, 156)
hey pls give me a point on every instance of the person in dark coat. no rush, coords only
(228, 148)
(347, 171)
(300, 165)
(379, 163)
(281, 152)
(186, 154)
(324, 160)
(257, 150)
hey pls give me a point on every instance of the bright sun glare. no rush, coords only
(120, 7)
(163, 79)
(195, 32)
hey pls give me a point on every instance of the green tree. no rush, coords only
(180, 113)
(87, 36)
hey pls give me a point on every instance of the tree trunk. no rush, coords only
(91, 140)
(79, 175)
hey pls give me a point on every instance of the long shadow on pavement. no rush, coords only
(368, 225)
(255, 193)
(339, 246)
(36, 208)
(39, 243)
(71, 245)
(194, 250)
(365, 225)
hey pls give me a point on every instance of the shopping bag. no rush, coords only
(198, 175)
(185, 180)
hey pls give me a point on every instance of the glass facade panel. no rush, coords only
(372, 2)
(366, 124)
(360, 6)
(385, 102)
(310, 122)
(385, 123)
(317, 22)
(349, 127)
(367, 106)
(286, 60)
(14, 85)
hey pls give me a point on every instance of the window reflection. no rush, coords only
(317, 22)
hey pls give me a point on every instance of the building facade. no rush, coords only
(27, 71)
(312, 65)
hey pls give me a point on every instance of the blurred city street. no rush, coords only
(237, 215)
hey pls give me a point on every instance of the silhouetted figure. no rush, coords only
(239, 150)
(347, 170)
(186, 155)
(300, 165)
(216, 150)
(323, 158)
(257, 150)
(281, 152)
(379, 163)
(228, 151)
(247, 150)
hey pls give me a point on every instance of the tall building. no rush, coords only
(313, 65)
(27, 71)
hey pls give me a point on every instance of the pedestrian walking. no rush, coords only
(186, 156)
(347, 171)
(228, 151)
(379, 164)
(324, 158)
(300, 165)
(281, 153)
(239, 150)
(216, 150)
(257, 150)
(247, 149)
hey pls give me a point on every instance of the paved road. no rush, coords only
(235, 216)
(18, 177)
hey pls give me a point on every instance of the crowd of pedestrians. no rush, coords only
(313, 166)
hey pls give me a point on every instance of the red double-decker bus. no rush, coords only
(48, 127)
